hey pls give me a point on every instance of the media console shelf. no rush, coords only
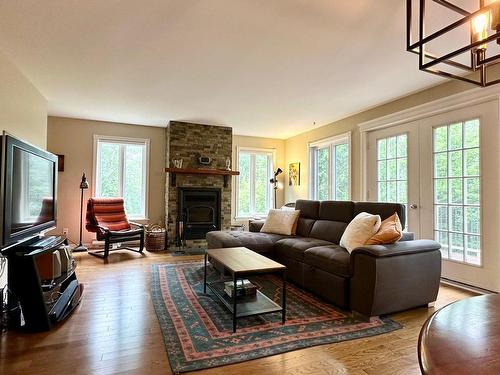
(42, 305)
(204, 171)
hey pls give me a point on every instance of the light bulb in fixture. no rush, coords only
(480, 25)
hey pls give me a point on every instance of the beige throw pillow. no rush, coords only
(281, 222)
(360, 230)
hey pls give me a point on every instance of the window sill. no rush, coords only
(139, 220)
(256, 217)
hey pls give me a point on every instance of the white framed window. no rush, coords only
(254, 192)
(121, 169)
(330, 168)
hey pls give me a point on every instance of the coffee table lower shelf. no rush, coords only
(246, 306)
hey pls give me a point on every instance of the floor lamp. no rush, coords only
(274, 181)
(84, 185)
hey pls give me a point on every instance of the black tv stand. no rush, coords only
(41, 310)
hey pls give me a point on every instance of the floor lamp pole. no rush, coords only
(83, 185)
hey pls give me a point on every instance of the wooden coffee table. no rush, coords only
(242, 263)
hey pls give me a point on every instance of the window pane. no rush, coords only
(134, 188)
(441, 139)
(441, 217)
(402, 168)
(471, 159)
(381, 149)
(442, 238)
(455, 164)
(382, 191)
(473, 246)
(402, 145)
(108, 177)
(455, 136)
(391, 147)
(456, 193)
(244, 185)
(471, 134)
(456, 219)
(402, 192)
(382, 170)
(457, 246)
(323, 170)
(342, 172)
(441, 191)
(472, 220)
(441, 165)
(392, 191)
(472, 190)
(391, 169)
(261, 184)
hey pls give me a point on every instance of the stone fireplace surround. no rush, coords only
(189, 141)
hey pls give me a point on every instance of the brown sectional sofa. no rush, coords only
(373, 280)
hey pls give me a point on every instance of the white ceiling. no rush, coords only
(265, 67)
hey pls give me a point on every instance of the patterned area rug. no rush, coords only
(197, 328)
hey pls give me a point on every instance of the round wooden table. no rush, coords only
(462, 338)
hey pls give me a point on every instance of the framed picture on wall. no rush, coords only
(294, 174)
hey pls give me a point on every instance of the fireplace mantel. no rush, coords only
(197, 171)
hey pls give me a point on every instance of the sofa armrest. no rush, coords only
(391, 278)
(255, 225)
(407, 236)
(398, 248)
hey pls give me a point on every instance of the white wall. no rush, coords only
(23, 109)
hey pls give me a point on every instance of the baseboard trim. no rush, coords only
(464, 286)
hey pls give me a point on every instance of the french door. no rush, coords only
(446, 170)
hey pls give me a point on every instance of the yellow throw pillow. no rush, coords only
(281, 222)
(390, 231)
(360, 230)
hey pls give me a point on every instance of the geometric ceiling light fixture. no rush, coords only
(475, 26)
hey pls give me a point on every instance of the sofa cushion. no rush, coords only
(333, 259)
(328, 230)
(336, 211)
(383, 209)
(309, 212)
(256, 241)
(295, 247)
(308, 209)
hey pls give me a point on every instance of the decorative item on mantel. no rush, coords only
(228, 163)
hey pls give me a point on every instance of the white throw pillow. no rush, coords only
(281, 222)
(360, 230)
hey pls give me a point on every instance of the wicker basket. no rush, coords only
(156, 238)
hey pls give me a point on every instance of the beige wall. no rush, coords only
(257, 142)
(74, 139)
(296, 148)
(23, 110)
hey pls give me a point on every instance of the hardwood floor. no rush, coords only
(115, 331)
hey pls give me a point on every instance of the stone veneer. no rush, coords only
(188, 141)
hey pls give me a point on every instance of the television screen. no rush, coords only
(29, 186)
(33, 195)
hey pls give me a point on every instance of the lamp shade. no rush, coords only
(84, 184)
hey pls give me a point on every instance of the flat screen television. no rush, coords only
(28, 190)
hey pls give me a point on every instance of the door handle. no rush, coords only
(413, 206)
